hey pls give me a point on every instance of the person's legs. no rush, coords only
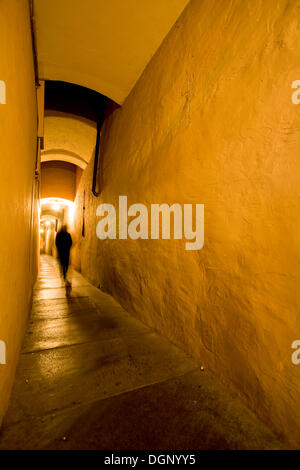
(64, 262)
(64, 270)
(61, 263)
(67, 259)
(68, 283)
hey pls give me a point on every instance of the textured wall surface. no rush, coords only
(68, 138)
(58, 179)
(18, 121)
(211, 121)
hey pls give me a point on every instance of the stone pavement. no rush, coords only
(91, 376)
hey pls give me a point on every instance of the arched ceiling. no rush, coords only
(101, 44)
(68, 138)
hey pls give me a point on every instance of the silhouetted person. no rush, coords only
(63, 244)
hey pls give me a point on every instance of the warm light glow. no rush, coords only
(56, 200)
(48, 223)
(60, 205)
(56, 206)
(41, 230)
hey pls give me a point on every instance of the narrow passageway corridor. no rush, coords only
(90, 376)
(152, 147)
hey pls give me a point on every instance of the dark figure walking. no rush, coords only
(63, 243)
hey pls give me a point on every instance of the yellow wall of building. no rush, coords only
(58, 179)
(211, 121)
(18, 190)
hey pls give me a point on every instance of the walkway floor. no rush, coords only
(91, 376)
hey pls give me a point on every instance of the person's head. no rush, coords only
(64, 228)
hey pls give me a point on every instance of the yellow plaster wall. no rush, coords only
(18, 191)
(58, 179)
(211, 121)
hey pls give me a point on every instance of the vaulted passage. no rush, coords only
(149, 244)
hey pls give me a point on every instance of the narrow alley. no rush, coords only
(92, 377)
(150, 235)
